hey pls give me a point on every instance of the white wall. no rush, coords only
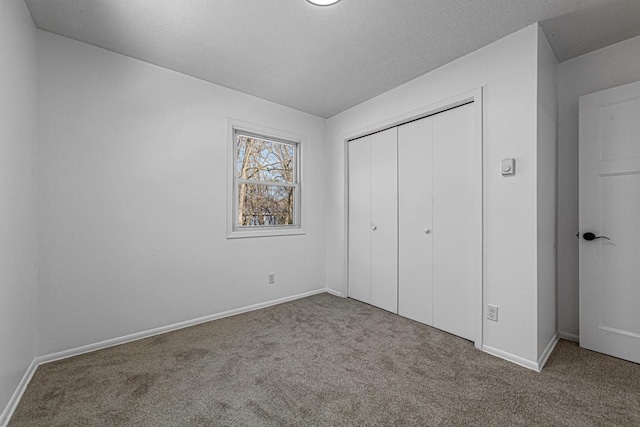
(507, 69)
(547, 190)
(603, 69)
(18, 156)
(133, 199)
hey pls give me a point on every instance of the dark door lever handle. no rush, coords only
(590, 236)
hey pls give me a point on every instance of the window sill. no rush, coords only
(270, 232)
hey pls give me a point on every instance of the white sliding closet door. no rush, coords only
(437, 220)
(373, 220)
(384, 220)
(454, 219)
(415, 193)
(360, 219)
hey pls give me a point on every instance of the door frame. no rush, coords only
(472, 96)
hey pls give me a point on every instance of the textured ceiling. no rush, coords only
(323, 60)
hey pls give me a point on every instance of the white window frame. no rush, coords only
(234, 231)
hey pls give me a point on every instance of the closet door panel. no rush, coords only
(360, 219)
(453, 221)
(415, 282)
(384, 220)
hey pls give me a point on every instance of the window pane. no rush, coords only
(264, 160)
(265, 205)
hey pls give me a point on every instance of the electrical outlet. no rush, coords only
(492, 312)
(272, 278)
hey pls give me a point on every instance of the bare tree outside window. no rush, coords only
(266, 181)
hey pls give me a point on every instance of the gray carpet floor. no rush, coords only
(325, 361)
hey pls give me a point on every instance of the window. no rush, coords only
(266, 184)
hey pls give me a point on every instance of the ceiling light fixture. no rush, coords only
(323, 2)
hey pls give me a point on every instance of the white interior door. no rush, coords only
(454, 221)
(610, 207)
(384, 220)
(415, 205)
(360, 219)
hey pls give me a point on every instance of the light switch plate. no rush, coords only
(508, 167)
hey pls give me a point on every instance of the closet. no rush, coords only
(413, 218)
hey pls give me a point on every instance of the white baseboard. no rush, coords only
(334, 292)
(548, 350)
(529, 364)
(37, 361)
(511, 357)
(17, 395)
(570, 337)
(169, 328)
